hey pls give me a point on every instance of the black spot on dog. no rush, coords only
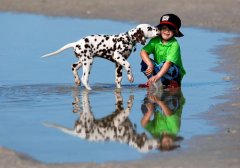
(78, 46)
(87, 46)
(119, 71)
(114, 40)
(149, 28)
(99, 44)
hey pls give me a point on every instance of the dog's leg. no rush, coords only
(87, 64)
(89, 117)
(76, 103)
(75, 68)
(86, 118)
(118, 75)
(122, 113)
(122, 61)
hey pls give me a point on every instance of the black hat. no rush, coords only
(172, 21)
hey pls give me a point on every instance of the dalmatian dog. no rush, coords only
(115, 48)
(115, 127)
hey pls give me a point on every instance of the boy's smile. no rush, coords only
(166, 34)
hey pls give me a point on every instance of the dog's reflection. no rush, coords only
(114, 127)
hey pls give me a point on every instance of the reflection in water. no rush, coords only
(115, 127)
(162, 116)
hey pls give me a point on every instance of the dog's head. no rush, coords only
(143, 32)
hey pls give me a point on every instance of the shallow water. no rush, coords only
(38, 95)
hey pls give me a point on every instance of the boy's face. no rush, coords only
(166, 33)
(167, 142)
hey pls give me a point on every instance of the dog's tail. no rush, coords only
(61, 128)
(70, 45)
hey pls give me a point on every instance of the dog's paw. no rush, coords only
(131, 97)
(87, 86)
(131, 79)
(118, 86)
(78, 82)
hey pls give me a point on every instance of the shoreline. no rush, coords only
(218, 14)
(216, 150)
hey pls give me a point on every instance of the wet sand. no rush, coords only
(218, 150)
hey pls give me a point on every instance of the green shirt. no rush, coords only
(163, 124)
(165, 52)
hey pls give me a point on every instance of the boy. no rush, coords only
(162, 116)
(167, 64)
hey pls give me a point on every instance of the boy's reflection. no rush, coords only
(166, 108)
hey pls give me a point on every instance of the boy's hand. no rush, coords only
(149, 70)
(161, 73)
(153, 79)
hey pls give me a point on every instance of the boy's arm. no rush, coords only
(148, 114)
(161, 73)
(166, 110)
(146, 59)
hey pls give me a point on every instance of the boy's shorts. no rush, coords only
(173, 74)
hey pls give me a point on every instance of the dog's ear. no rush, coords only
(139, 36)
(143, 41)
(142, 37)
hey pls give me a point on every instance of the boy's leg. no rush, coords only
(172, 77)
(143, 70)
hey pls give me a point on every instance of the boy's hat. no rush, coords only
(172, 21)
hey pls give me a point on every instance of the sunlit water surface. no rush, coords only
(36, 92)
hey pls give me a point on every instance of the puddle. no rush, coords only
(40, 105)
